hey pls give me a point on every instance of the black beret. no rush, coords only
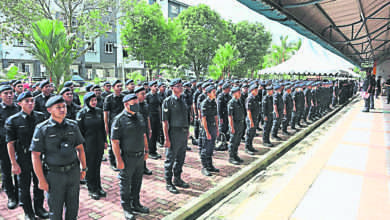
(187, 84)
(129, 81)
(54, 100)
(220, 83)
(3, 83)
(95, 87)
(277, 86)
(68, 84)
(24, 95)
(268, 87)
(245, 86)
(88, 87)
(210, 89)
(106, 83)
(88, 96)
(65, 89)
(205, 85)
(160, 84)
(44, 83)
(235, 89)
(225, 86)
(139, 89)
(193, 81)
(254, 86)
(5, 88)
(129, 97)
(17, 82)
(199, 84)
(152, 83)
(116, 82)
(175, 82)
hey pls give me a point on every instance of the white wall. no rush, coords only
(383, 69)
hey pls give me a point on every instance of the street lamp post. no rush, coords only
(115, 60)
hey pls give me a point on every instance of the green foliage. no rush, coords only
(205, 31)
(149, 36)
(226, 57)
(12, 72)
(51, 46)
(136, 76)
(282, 52)
(96, 80)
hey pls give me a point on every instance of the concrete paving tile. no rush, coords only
(348, 156)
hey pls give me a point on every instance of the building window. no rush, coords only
(91, 46)
(20, 43)
(108, 47)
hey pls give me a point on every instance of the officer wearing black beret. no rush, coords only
(60, 142)
(298, 106)
(19, 131)
(222, 107)
(71, 107)
(198, 128)
(210, 131)
(18, 88)
(91, 124)
(195, 96)
(7, 108)
(175, 117)
(130, 86)
(76, 98)
(154, 102)
(37, 90)
(267, 107)
(112, 107)
(107, 90)
(98, 92)
(236, 112)
(42, 98)
(252, 119)
(287, 110)
(129, 142)
(278, 107)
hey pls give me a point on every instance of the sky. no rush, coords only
(235, 11)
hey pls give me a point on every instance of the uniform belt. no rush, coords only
(136, 154)
(62, 169)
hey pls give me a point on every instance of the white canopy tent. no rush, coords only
(312, 59)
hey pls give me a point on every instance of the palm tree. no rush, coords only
(280, 53)
(50, 45)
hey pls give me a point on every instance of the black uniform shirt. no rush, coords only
(105, 94)
(129, 130)
(20, 128)
(91, 124)
(223, 100)
(154, 102)
(278, 101)
(76, 98)
(100, 102)
(308, 96)
(57, 141)
(175, 111)
(188, 98)
(267, 105)
(252, 104)
(40, 102)
(114, 105)
(236, 109)
(209, 110)
(201, 97)
(71, 110)
(5, 112)
(287, 99)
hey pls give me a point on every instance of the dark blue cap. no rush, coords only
(65, 89)
(116, 82)
(152, 83)
(199, 84)
(277, 86)
(106, 83)
(187, 84)
(129, 81)
(210, 89)
(220, 83)
(68, 84)
(5, 88)
(175, 82)
(225, 86)
(139, 89)
(44, 83)
(254, 86)
(129, 97)
(17, 82)
(235, 89)
(88, 96)
(54, 100)
(205, 85)
(24, 95)
(160, 84)
(95, 87)
(245, 86)
(193, 81)
(88, 87)
(268, 87)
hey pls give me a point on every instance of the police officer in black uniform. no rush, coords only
(154, 103)
(76, 98)
(19, 131)
(298, 106)
(175, 117)
(236, 112)
(60, 142)
(287, 110)
(252, 118)
(91, 124)
(130, 148)
(42, 98)
(71, 107)
(112, 107)
(162, 96)
(210, 131)
(130, 86)
(267, 109)
(222, 104)
(278, 107)
(98, 92)
(18, 89)
(7, 109)
(196, 113)
(37, 89)
(107, 90)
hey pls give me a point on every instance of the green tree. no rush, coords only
(149, 36)
(52, 47)
(226, 58)
(205, 31)
(280, 53)
(252, 41)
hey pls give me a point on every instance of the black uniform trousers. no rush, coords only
(64, 190)
(235, 139)
(250, 133)
(24, 179)
(208, 146)
(9, 181)
(286, 120)
(93, 156)
(296, 118)
(267, 128)
(176, 154)
(131, 180)
(276, 124)
(388, 94)
(197, 128)
(224, 127)
(311, 113)
(306, 113)
(155, 124)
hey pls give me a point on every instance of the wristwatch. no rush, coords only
(84, 169)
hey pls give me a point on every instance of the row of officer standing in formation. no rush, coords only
(53, 141)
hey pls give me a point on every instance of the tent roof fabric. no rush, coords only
(358, 30)
(312, 59)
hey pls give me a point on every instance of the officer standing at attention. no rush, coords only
(107, 90)
(267, 106)
(196, 112)
(175, 117)
(222, 104)
(252, 119)
(18, 88)
(298, 106)
(71, 107)
(130, 86)
(76, 98)
(288, 106)
(37, 89)
(130, 146)
(7, 108)
(60, 141)
(210, 131)
(42, 98)
(154, 103)
(278, 111)
(98, 92)
(91, 124)
(112, 107)
(144, 110)
(19, 131)
(236, 112)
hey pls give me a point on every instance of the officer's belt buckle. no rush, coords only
(63, 169)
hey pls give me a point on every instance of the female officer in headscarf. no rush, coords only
(91, 123)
